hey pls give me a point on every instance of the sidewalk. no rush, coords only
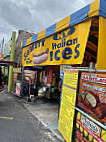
(46, 113)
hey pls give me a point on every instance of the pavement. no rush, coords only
(46, 113)
(22, 121)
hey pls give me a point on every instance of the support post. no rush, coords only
(11, 59)
(3, 70)
(22, 83)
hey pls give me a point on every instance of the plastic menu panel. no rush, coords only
(92, 95)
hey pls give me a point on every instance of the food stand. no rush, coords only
(77, 40)
(45, 81)
(50, 79)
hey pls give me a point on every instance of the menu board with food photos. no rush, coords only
(92, 95)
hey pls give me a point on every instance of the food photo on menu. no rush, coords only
(92, 95)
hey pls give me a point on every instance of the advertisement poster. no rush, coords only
(65, 47)
(68, 102)
(29, 76)
(88, 131)
(18, 88)
(15, 77)
(92, 95)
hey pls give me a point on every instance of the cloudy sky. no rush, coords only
(34, 15)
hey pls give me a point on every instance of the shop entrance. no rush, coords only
(4, 70)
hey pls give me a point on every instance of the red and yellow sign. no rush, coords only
(88, 131)
(92, 94)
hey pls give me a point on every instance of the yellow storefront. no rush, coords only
(77, 40)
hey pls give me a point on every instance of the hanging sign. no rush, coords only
(65, 47)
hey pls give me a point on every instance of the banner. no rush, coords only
(88, 131)
(67, 110)
(92, 94)
(65, 47)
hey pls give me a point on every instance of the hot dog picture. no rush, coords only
(40, 57)
(89, 99)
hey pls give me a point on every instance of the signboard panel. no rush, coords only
(17, 70)
(88, 131)
(65, 47)
(28, 74)
(68, 102)
(92, 94)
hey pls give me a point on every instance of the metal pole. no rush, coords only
(11, 59)
(22, 81)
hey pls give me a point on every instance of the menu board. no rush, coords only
(88, 131)
(68, 102)
(92, 95)
(29, 75)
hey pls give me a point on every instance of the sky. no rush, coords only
(34, 15)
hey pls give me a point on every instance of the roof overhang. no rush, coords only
(96, 8)
(7, 63)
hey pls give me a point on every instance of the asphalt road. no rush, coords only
(18, 125)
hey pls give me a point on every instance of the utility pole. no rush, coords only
(11, 59)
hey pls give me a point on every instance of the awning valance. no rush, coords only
(65, 47)
(96, 8)
(7, 63)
